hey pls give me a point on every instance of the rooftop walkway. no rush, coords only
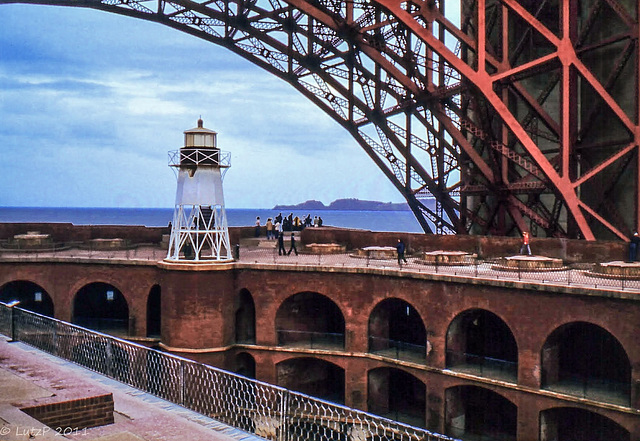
(264, 254)
(30, 377)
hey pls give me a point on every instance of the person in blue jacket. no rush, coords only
(401, 249)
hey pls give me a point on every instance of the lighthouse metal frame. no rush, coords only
(199, 231)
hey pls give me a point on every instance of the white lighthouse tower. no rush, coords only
(199, 231)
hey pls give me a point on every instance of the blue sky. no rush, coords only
(90, 103)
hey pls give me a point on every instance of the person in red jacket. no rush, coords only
(525, 244)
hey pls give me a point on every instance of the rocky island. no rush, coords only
(346, 205)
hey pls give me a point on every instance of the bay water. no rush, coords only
(401, 221)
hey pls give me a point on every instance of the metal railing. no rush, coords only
(310, 339)
(580, 276)
(268, 411)
(483, 366)
(400, 350)
(592, 388)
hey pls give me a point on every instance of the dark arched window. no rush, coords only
(245, 318)
(101, 307)
(312, 376)
(584, 359)
(312, 320)
(154, 312)
(396, 330)
(397, 395)
(476, 413)
(480, 343)
(31, 296)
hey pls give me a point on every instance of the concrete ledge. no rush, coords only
(201, 265)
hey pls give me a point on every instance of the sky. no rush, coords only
(91, 102)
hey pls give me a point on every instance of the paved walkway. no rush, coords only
(29, 376)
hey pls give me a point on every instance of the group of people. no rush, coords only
(280, 224)
(277, 226)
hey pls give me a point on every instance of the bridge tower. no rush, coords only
(199, 232)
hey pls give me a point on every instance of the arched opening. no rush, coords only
(397, 395)
(101, 307)
(396, 330)
(309, 319)
(312, 376)
(572, 424)
(475, 414)
(154, 312)
(480, 343)
(245, 318)
(30, 295)
(245, 365)
(585, 360)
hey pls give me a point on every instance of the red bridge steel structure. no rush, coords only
(522, 116)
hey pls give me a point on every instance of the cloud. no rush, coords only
(90, 103)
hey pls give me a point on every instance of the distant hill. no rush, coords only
(345, 205)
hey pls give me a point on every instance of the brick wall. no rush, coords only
(571, 251)
(75, 414)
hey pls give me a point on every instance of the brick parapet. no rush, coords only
(74, 414)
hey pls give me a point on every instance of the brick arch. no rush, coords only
(100, 313)
(38, 279)
(583, 352)
(497, 413)
(481, 342)
(44, 306)
(398, 394)
(81, 283)
(306, 315)
(312, 376)
(552, 419)
(610, 326)
(395, 323)
(134, 289)
(244, 363)
(244, 317)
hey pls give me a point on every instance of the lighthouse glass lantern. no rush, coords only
(199, 231)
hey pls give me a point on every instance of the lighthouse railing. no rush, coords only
(193, 156)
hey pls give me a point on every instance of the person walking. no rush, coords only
(400, 247)
(525, 244)
(281, 250)
(293, 245)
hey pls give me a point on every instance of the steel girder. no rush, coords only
(523, 117)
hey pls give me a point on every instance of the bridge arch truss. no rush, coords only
(522, 116)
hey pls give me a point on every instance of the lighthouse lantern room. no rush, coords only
(199, 231)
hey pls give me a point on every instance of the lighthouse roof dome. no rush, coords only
(200, 129)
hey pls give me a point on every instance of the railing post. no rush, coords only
(54, 339)
(13, 324)
(283, 433)
(12, 319)
(182, 385)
